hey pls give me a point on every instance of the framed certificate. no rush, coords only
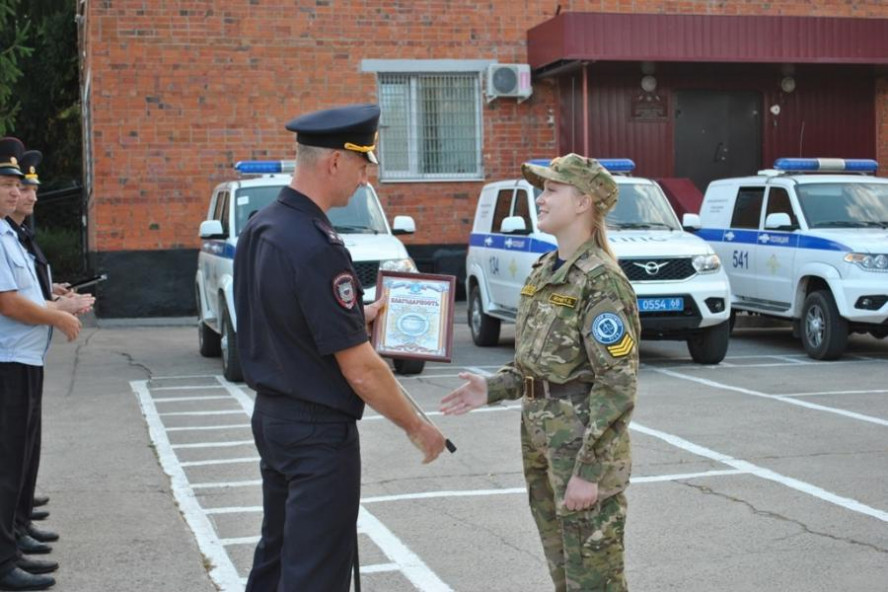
(417, 319)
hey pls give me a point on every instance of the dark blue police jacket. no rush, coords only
(298, 301)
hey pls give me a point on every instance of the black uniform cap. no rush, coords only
(344, 128)
(29, 162)
(11, 150)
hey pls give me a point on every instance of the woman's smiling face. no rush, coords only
(557, 206)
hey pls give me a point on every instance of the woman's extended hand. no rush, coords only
(469, 396)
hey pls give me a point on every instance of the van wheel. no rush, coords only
(231, 367)
(209, 341)
(485, 329)
(824, 331)
(710, 345)
(403, 366)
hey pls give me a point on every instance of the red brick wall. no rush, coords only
(180, 90)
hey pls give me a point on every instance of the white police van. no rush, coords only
(808, 242)
(683, 293)
(362, 225)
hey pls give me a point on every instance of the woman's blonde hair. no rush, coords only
(598, 224)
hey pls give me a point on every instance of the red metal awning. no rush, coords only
(586, 36)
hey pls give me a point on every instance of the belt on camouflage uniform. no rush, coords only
(538, 388)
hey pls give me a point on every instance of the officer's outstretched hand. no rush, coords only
(429, 439)
(469, 396)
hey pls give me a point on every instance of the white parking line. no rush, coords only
(784, 399)
(240, 396)
(826, 393)
(213, 427)
(200, 413)
(183, 399)
(214, 444)
(221, 461)
(221, 568)
(192, 387)
(407, 561)
(747, 467)
(228, 484)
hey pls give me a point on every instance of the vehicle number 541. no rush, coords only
(741, 259)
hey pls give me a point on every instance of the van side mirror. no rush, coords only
(212, 229)
(514, 225)
(691, 222)
(778, 221)
(403, 225)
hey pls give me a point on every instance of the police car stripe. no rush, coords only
(505, 242)
(770, 238)
(219, 248)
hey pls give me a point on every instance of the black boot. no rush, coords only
(42, 535)
(29, 545)
(19, 579)
(36, 566)
(40, 500)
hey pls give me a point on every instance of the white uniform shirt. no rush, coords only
(20, 342)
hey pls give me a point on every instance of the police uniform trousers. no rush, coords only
(584, 550)
(21, 391)
(311, 480)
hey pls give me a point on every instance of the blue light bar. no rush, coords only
(827, 165)
(260, 167)
(613, 165)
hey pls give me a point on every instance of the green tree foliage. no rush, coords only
(14, 33)
(49, 91)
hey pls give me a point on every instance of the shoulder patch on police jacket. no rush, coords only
(528, 290)
(344, 290)
(328, 232)
(562, 300)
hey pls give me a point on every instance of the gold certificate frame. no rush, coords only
(417, 319)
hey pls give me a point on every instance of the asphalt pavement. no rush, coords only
(766, 472)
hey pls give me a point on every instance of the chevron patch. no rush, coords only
(623, 348)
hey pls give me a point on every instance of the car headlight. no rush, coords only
(706, 263)
(869, 262)
(398, 265)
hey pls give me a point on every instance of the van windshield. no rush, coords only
(844, 205)
(642, 206)
(362, 215)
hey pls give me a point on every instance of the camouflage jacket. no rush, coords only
(580, 323)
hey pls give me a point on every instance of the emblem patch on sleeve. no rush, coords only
(608, 328)
(344, 290)
(528, 290)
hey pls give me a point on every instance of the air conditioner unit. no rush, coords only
(508, 80)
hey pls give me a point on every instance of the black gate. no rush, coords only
(61, 231)
(717, 135)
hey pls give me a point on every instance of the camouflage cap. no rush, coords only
(586, 174)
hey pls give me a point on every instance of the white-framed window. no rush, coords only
(431, 126)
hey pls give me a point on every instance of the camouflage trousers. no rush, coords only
(584, 550)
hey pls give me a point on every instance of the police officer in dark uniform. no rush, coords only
(304, 348)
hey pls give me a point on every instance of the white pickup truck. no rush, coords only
(806, 241)
(683, 292)
(362, 225)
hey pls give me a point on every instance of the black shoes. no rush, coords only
(27, 544)
(36, 566)
(39, 514)
(40, 500)
(19, 579)
(44, 536)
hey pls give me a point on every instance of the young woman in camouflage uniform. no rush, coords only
(575, 368)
